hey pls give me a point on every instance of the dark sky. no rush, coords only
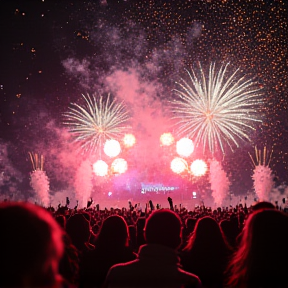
(53, 51)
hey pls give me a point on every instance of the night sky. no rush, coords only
(54, 51)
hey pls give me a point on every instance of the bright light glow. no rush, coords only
(216, 107)
(166, 139)
(194, 195)
(119, 166)
(100, 168)
(109, 194)
(198, 167)
(129, 140)
(185, 147)
(112, 148)
(178, 165)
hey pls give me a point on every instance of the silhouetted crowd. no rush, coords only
(245, 247)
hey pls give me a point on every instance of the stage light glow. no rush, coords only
(129, 140)
(109, 194)
(198, 167)
(166, 139)
(119, 166)
(194, 195)
(185, 147)
(100, 168)
(112, 148)
(178, 165)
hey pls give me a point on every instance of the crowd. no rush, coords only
(240, 246)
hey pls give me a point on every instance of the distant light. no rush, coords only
(178, 165)
(194, 195)
(129, 140)
(166, 139)
(198, 167)
(112, 148)
(185, 147)
(100, 168)
(119, 166)
(109, 194)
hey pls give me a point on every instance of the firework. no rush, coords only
(198, 167)
(184, 147)
(39, 181)
(219, 181)
(216, 108)
(99, 120)
(119, 166)
(263, 158)
(112, 148)
(178, 165)
(100, 168)
(262, 173)
(37, 162)
(129, 140)
(166, 139)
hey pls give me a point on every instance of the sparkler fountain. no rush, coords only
(39, 180)
(262, 174)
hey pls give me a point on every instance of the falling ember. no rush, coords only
(119, 166)
(178, 165)
(185, 147)
(129, 140)
(166, 139)
(198, 167)
(100, 168)
(112, 148)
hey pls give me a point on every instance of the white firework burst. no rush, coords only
(217, 108)
(98, 120)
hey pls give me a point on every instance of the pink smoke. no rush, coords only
(219, 182)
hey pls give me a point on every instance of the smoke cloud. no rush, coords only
(219, 182)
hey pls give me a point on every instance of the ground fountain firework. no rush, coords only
(83, 183)
(219, 182)
(39, 180)
(262, 174)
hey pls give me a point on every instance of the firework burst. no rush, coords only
(100, 119)
(216, 109)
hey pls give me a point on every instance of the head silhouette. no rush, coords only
(113, 232)
(207, 235)
(30, 246)
(78, 228)
(163, 227)
(261, 260)
(263, 205)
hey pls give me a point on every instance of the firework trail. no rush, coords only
(215, 109)
(39, 180)
(262, 174)
(100, 119)
(219, 182)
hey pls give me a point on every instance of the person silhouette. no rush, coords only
(261, 258)
(158, 263)
(31, 246)
(206, 253)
